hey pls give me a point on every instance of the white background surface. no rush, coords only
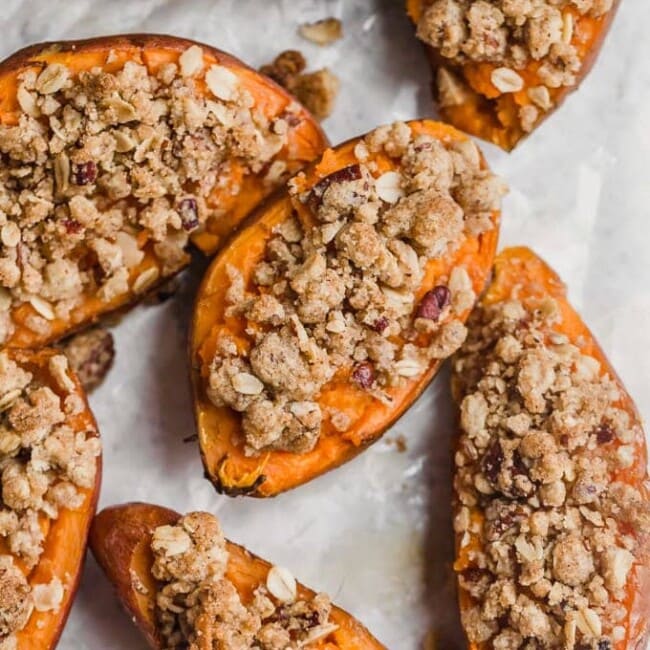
(374, 534)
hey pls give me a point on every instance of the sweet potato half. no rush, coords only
(120, 540)
(519, 274)
(64, 548)
(227, 466)
(475, 105)
(237, 192)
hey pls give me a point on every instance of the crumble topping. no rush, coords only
(339, 295)
(317, 90)
(43, 466)
(509, 34)
(101, 165)
(550, 533)
(197, 606)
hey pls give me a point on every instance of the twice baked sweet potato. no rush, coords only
(331, 311)
(116, 150)
(501, 68)
(121, 541)
(552, 493)
(51, 475)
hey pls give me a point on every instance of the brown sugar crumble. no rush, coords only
(509, 34)
(197, 606)
(43, 466)
(317, 91)
(100, 165)
(339, 295)
(549, 540)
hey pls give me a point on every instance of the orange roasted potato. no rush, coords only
(118, 149)
(350, 394)
(496, 93)
(551, 469)
(121, 539)
(35, 608)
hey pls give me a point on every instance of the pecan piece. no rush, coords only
(433, 302)
(364, 374)
(84, 173)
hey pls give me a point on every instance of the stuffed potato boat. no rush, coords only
(116, 151)
(502, 67)
(50, 478)
(330, 312)
(186, 586)
(552, 493)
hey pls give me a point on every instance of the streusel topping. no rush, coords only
(44, 466)
(339, 290)
(550, 533)
(100, 166)
(510, 34)
(197, 606)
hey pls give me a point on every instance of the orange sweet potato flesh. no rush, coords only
(518, 272)
(492, 116)
(120, 540)
(306, 141)
(64, 548)
(230, 470)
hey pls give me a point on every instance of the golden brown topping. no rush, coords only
(554, 538)
(198, 607)
(340, 295)
(44, 465)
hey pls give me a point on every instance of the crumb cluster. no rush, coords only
(103, 166)
(317, 90)
(44, 467)
(339, 294)
(550, 526)
(197, 606)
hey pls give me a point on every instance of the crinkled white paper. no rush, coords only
(374, 534)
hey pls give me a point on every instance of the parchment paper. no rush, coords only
(374, 534)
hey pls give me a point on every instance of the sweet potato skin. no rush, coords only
(120, 538)
(520, 267)
(480, 119)
(308, 141)
(65, 544)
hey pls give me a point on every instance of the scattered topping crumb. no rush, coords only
(322, 32)
(44, 466)
(91, 354)
(197, 605)
(317, 91)
(103, 167)
(339, 297)
(550, 530)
